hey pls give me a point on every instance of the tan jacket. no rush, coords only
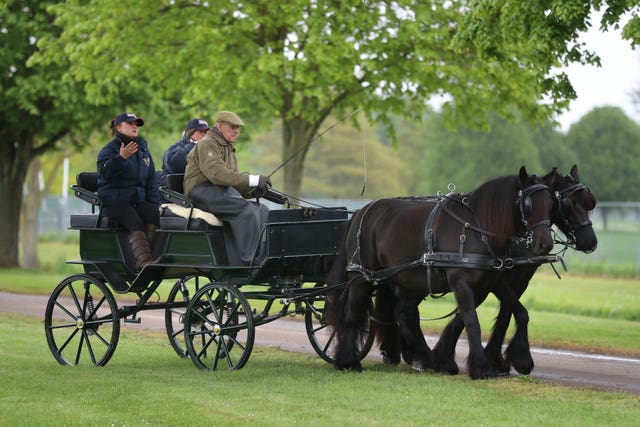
(214, 159)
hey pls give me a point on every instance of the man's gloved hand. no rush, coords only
(264, 183)
(257, 193)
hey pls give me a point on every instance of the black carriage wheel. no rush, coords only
(322, 336)
(219, 328)
(81, 322)
(183, 290)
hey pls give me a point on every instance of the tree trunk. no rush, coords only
(29, 224)
(31, 208)
(13, 174)
(296, 134)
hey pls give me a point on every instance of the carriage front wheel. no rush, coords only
(218, 328)
(323, 337)
(81, 322)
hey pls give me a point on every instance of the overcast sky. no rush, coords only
(610, 84)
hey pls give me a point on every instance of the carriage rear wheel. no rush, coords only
(219, 328)
(323, 337)
(183, 290)
(81, 322)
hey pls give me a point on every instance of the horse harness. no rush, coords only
(432, 259)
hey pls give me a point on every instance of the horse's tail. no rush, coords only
(337, 276)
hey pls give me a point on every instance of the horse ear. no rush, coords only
(550, 178)
(524, 175)
(574, 173)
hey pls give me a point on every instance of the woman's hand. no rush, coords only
(128, 150)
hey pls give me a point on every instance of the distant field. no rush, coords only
(618, 254)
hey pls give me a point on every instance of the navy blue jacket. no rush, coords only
(175, 158)
(131, 180)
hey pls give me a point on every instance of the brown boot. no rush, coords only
(141, 249)
(151, 234)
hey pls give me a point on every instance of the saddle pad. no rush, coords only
(183, 212)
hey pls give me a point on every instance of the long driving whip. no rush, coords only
(314, 138)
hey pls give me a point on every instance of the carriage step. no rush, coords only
(132, 320)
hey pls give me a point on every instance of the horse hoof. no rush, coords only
(502, 367)
(408, 358)
(449, 367)
(483, 374)
(524, 369)
(351, 367)
(523, 365)
(417, 366)
(390, 360)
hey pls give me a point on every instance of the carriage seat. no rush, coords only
(86, 188)
(180, 213)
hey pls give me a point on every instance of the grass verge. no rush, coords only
(147, 384)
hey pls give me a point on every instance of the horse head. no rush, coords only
(515, 208)
(534, 204)
(573, 203)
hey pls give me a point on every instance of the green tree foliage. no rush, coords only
(303, 61)
(412, 136)
(43, 108)
(467, 157)
(339, 164)
(541, 35)
(299, 61)
(607, 144)
(553, 149)
(37, 108)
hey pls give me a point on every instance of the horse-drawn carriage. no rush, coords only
(326, 266)
(208, 316)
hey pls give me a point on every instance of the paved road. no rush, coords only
(565, 367)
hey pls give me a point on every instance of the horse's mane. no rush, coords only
(494, 202)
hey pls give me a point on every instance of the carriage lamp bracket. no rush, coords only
(297, 304)
(125, 312)
(134, 319)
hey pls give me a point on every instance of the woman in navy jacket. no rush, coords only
(128, 185)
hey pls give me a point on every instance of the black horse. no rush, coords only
(571, 216)
(422, 246)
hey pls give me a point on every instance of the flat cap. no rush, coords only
(229, 117)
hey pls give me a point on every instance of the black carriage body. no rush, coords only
(300, 246)
(208, 301)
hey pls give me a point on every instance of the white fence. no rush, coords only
(608, 216)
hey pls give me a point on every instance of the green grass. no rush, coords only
(147, 384)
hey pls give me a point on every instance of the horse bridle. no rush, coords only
(565, 207)
(525, 208)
